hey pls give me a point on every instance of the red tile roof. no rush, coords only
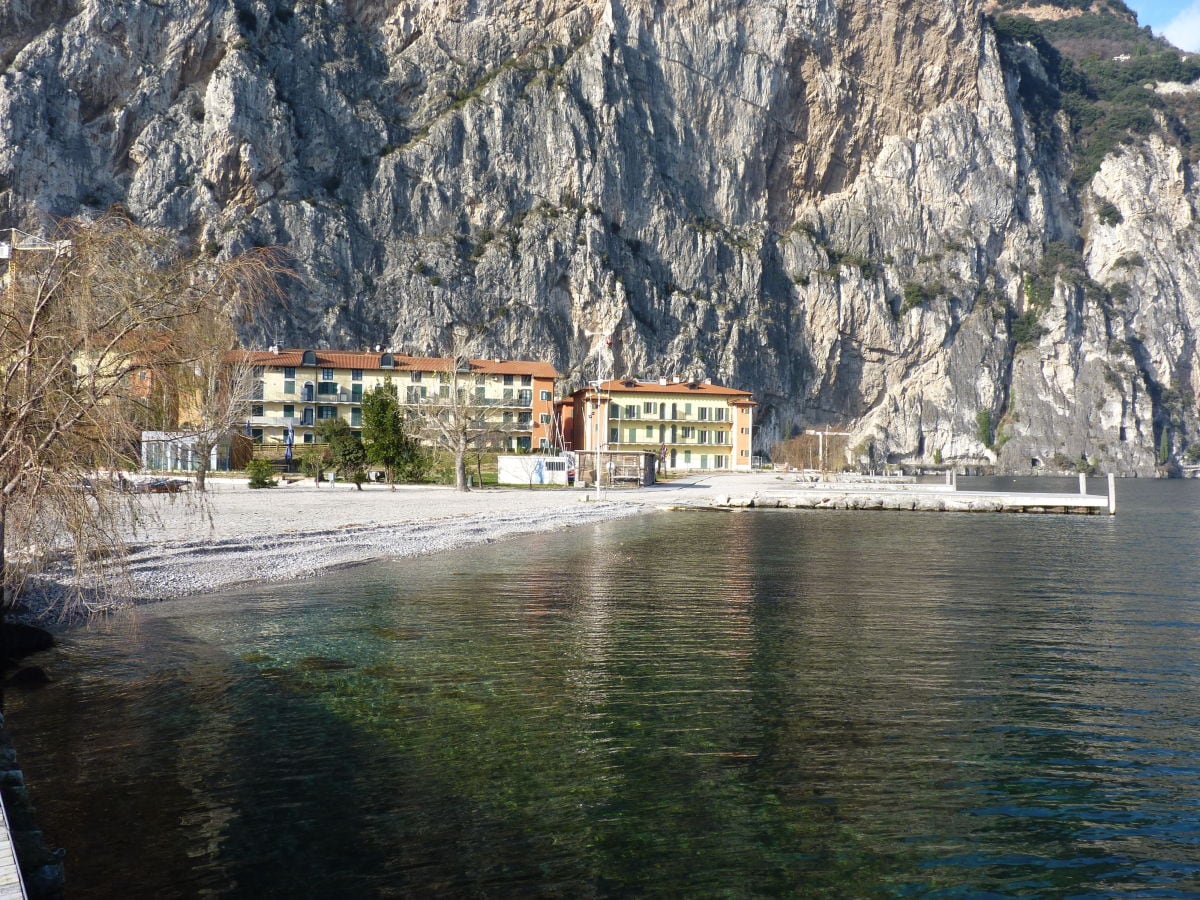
(673, 387)
(339, 359)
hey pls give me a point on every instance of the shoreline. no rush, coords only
(189, 544)
(193, 544)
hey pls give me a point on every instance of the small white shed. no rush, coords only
(531, 469)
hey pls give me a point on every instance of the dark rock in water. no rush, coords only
(322, 664)
(29, 677)
(17, 640)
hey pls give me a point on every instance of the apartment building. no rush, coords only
(688, 424)
(296, 388)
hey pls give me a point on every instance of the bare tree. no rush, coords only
(455, 420)
(216, 386)
(90, 332)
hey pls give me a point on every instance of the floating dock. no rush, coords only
(910, 497)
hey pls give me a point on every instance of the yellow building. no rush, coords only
(688, 424)
(298, 388)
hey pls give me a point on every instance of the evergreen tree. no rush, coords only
(386, 438)
(346, 453)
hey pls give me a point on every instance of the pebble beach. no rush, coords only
(235, 535)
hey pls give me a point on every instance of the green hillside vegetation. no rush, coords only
(1109, 101)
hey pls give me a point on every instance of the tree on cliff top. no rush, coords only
(94, 330)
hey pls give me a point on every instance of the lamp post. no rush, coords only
(596, 388)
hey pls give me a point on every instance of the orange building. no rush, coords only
(688, 424)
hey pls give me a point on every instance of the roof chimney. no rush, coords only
(708, 381)
(662, 381)
(274, 348)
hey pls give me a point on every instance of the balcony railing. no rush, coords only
(616, 416)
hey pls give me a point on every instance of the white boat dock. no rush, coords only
(910, 497)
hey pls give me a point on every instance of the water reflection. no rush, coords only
(737, 704)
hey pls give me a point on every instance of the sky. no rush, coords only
(1176, 20)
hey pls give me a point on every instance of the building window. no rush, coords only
(614, 435)
(259, 388)
(356, 374)
(508, 392)
(687, 409)
(289, 387)
(256, 435)
(526, 380)
(326, 412)
(703, 413)
(687, 457)
(745, 453)
(289, 372)
(614, 411)
(745, 431)
(415, 394)
(307, 438)
(649, 432)
(526, 398)
(256, 409)
(289, 411)
(544, 418)
(508, 418)
(480, 390)
(719, 414)
(633, 435)
(545, 395)
(525, 418)
(327, 374)
(544, 444)
(414, 377)
(508, 379)
(356, 417)
(480, 380)
(649, 407)
(703, 439)
(356, 393)
(631, 411)
(307, 396)
(327, 388)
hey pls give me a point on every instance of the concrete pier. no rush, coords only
(922, 498)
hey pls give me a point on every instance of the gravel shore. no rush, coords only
(189, 543)
(237, 535)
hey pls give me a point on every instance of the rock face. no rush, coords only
(837, 205)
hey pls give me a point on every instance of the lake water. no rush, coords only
(755, 703)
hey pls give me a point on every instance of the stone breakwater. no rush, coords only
(922, 500)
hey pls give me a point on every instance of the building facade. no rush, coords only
(298, 388)
(689, 424)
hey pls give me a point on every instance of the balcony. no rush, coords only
(616, 416)
(273, 422)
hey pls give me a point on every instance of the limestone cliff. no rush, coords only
(856, 210)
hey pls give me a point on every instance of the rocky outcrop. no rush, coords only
(842, 207)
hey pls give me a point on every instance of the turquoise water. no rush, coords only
(762, 703)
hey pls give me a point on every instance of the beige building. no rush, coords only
(297, 388)
(688, 424)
